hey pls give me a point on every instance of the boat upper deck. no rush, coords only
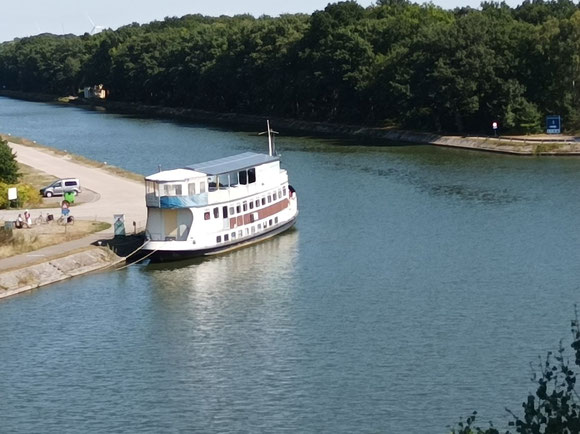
(214, 181)
(233, 163)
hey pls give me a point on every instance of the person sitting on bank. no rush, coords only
(27, 219)
(18, 222)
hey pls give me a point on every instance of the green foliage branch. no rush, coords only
(555, 406)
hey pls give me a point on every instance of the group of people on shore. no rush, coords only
(25, 222)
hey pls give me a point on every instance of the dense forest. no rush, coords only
(395, 63)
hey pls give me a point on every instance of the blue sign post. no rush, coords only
(553, 124)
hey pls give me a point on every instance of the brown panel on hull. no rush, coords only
(262, 214)
(273, 209)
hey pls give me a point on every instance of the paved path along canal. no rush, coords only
(116, 195)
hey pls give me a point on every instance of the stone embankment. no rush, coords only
(29, 277)
(518, 145)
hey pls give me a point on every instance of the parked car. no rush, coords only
(61, 186)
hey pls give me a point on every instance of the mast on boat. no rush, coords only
(271, 144)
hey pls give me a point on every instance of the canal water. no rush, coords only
(418, 286)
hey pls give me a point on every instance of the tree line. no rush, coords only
(395, 63)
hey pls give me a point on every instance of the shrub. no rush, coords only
(28, 196)
(555, 406)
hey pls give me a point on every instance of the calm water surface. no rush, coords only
(418, 286)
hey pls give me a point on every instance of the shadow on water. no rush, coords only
(280, 245)
(436, 172)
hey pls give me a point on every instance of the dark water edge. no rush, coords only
(358, 135)
(366, 135)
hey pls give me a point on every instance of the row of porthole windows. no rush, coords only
(248, 231)
(244, 206)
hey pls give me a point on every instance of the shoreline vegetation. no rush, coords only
(531, 145)
(394, 64)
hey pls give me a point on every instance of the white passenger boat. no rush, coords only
(218, 205)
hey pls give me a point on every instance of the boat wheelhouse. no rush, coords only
(217, 206)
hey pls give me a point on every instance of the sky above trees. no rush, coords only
(32, 17)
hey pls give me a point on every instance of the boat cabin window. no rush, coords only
(243, 177)
(247, 176)
(191, 188)
(172, 190)
(216, 212)
(232, 211)
(234, 180)
(224, 181)
(212, 183)
(152, 188)
(202, 187)
(225, 212)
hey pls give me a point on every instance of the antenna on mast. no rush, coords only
(271, 144)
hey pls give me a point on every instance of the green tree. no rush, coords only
(8, 166)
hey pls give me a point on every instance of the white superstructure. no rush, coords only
(217, 206)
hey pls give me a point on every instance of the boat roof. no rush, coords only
(174, 175)
(232, 163)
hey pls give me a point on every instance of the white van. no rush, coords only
(61, 186)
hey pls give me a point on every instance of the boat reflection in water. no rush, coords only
(266, 265)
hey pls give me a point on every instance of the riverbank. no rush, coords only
(516, 145)
(115, 194)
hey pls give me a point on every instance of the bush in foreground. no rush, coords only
(554, 409)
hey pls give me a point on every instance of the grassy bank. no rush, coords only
(26, 240)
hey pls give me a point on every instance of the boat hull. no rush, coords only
(161, 255)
